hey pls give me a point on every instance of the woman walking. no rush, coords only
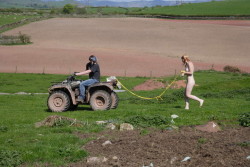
(189, 70)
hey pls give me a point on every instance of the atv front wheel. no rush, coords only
(100, 100)
(58, 101)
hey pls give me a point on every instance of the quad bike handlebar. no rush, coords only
(71, 78)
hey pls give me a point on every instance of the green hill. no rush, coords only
(34, 3)
(214, 8)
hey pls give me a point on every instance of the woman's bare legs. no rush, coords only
(188, 95)
(187, 103)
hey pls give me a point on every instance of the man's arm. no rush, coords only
(83, 73)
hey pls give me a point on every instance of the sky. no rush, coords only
(148, 0)
(145, 0)
(142, 0)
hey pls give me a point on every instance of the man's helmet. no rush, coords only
(92, 58)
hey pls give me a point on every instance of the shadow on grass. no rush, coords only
(177, 107)
(83, 108)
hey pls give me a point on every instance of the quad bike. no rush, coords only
(63, 96)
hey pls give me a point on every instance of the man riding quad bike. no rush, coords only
(63, 96)
(71, 92)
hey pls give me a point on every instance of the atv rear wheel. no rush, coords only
(115, 100)
(100, 100)
(58, 101)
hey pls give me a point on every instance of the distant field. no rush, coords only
(107, 10)
(214, 8)
(67, 42)
(7, 19)
(38, 4)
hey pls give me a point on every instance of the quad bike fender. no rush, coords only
(65, 88)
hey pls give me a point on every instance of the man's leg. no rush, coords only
(87, 82)
(82, 91)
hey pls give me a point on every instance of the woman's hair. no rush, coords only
(185, 57)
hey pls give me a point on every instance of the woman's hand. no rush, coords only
(183, 73)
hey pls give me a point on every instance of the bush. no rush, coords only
(24, 38)
(10, 158)
(245, 119)
(14, 40)
(81, 11)
(231, 69)
(68, 9)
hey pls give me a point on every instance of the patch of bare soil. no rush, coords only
(179, 84)
(169, 148)
(150, 84)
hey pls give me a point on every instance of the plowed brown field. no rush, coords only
(127, 46)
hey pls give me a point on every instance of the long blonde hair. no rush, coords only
(185, 59)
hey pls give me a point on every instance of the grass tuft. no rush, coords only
(9, 158)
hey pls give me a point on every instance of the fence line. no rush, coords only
(44, 71)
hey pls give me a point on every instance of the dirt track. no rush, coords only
(168, 148)
(128, 46)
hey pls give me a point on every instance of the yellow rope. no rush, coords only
(159, 97)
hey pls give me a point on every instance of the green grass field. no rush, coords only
(8, 19)
(214, 8)
(226, 95)
(17, 20)
(38, 4)
(106, 10)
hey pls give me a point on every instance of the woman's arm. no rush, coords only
(191, 68)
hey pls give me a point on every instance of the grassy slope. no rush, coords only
(33, 3)
(216, 8)
(226, 96)
(17, 3)
(7, 19)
